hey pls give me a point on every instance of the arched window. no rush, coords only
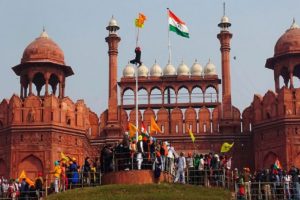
(128, 97)
(183, 95)
(210, 95)
(143, 96)
(284, 77)
(169, 96)
(155, 96)
(197, 95)
(53, 81)
(39, 82)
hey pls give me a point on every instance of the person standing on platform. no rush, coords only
(57, 173)
(140, 152)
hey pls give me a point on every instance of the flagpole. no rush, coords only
(136, 93)
(137, 37)
(169, 41)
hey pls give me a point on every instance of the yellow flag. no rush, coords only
(226, 147)
(191, 135)
(64, 157)
(154, 127)
(132, 130)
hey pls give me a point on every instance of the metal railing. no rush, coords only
(267, 190)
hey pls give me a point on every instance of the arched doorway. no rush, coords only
(31, 165)
(269, 160)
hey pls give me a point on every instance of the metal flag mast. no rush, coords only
(136, 92)
(139, 23)
(169, 40)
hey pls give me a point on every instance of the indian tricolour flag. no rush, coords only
(177, 25)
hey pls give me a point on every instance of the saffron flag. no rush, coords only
(132, 130)
(277, 164)
(226, 147)
(154, 127)
(191, 135)
(23, 176)
(177, 25)
(139, 22)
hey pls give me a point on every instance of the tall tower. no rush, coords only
(113, 125)
(225, 36)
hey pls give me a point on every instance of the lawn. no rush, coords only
(143, 192)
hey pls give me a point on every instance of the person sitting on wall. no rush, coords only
(137, 59)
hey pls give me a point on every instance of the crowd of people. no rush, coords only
(150, 153)
(272, 183)
(145, 153)
(68, 174)
(21, 189)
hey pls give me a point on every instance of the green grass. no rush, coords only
(143, 192)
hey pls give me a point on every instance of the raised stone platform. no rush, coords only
(135, 177)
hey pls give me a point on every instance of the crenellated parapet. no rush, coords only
(35, 110)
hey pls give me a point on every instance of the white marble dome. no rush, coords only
(113, 22)
(128, 71)
(224, 19)
(169, 70)
(210, 69)
(143, 70)
(196, 69)
(155, 70)
(183, 70)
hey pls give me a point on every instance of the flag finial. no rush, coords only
(224, 9)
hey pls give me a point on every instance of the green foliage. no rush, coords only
(143, 192)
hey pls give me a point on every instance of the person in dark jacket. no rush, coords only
(137, 59)
(158, 163)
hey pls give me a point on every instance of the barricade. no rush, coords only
(267, 190)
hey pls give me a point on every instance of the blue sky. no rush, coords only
(79, 29)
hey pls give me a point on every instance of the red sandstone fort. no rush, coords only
(40, 122)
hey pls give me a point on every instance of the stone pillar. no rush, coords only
(291, 80)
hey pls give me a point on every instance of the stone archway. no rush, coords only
(269, 160)
(3, 169)
(31, 165)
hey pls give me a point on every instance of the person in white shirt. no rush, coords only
(286, 179)
(181, 166)
(201, 169)
(170, 159)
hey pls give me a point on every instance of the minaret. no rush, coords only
(225, 36)
(113, 40)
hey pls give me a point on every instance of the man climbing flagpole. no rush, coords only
(139, 23)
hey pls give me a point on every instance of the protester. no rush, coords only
(39, 185)
(57, 174)
(181, 166)
(158, 165)
(140, 152)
